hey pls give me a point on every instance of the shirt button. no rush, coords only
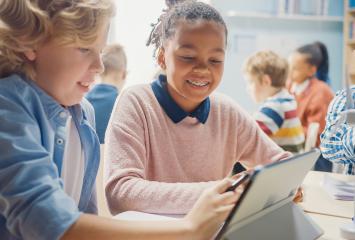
(63, 114)
(60, 141)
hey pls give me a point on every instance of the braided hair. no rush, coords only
(189, 10)
(317, 55)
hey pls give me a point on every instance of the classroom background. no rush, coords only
(278, 25)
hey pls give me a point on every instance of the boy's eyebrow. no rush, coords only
(192, 47)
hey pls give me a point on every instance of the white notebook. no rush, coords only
(339, 189)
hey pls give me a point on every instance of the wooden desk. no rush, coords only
(330, 225)
(317, 200)
(327, 212)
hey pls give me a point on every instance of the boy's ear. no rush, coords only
(124, 75)
(30, 55)
(161, 58)
(266, 80)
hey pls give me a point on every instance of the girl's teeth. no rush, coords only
(200, 84)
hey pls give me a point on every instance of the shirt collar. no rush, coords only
(297, 89)
(172, 109)
(283, 93)
(53, 109)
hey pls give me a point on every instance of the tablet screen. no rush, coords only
(271, 184)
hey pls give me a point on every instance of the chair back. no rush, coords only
(311, 137)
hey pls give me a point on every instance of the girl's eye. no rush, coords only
(187, 58)
(215, 61)
(84, 50)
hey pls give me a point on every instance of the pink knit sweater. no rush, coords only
(154, 165)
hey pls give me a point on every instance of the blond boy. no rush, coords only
(277, 116)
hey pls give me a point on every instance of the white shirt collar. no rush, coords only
(298, 88)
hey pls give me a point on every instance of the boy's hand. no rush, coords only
(299, 195)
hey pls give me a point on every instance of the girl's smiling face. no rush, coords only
(193, 59)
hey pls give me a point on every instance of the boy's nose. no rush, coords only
(97, 66)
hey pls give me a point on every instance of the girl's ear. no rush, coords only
(30, 55)
(312, 70)
(161, 58)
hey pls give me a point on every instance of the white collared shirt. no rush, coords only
(73, 162)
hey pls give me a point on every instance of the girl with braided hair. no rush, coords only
(308, 76)
(169, 140)
(50, 52)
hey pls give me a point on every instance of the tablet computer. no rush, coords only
(270, 185)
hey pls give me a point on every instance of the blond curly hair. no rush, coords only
(267, 63)
(25, 24)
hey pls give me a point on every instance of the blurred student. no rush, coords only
(169, 140)
(50, 53)
(266, 73)
(337, 140)
(104, 94)
(313, 95)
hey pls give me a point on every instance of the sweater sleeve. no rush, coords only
(254, 146)
(126, 154)
(317, 111)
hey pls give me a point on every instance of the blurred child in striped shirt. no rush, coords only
(277, 116)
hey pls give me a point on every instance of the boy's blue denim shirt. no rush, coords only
(33, 204)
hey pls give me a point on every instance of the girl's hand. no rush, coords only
(211, 209)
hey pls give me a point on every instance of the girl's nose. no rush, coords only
(201, 70)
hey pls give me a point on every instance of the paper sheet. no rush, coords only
(339, 189)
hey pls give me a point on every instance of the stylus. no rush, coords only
(239, 181)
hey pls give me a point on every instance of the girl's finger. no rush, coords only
(236, 176)
(225, 208)
(228, 198)
(222, 186)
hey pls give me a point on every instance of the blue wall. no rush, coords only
(249, 34)
(335, 7)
